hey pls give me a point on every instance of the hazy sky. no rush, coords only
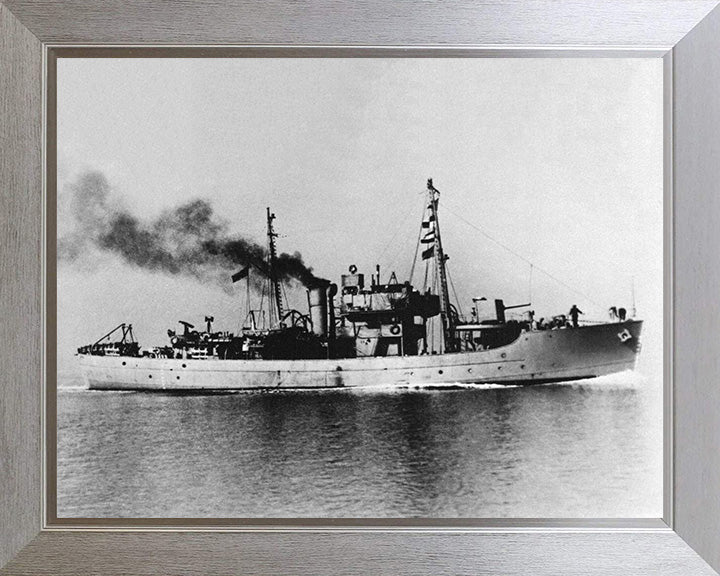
(558, 159)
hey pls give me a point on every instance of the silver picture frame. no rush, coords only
(685, 34)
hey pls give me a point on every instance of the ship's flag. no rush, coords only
(429, 238)
(426, 223)
(428, 253)
(240, 275)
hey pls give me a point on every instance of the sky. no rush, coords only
(557, 162)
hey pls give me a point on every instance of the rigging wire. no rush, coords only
(262, 299)
(425, 279)
(417, 248)
(530, 284)
(282, 286)
(452, 285)
(398, 229)
(435, 318)
(523, 258)
(245, 310)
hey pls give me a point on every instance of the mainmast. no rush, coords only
(276, 289)
(440, 259)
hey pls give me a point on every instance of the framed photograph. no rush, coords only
(292, 302)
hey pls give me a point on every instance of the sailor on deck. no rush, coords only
(574, 311)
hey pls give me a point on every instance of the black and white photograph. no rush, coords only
(368, 288)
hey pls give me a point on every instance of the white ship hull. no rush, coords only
(535, 357)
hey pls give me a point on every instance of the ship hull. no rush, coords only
(535, 357)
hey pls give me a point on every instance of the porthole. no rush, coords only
(440, 371)
(178, 377)
(149, 375)
(124, 363)
(184, 366)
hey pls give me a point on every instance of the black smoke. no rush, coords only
(189, 240)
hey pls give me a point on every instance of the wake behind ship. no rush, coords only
(368, 334)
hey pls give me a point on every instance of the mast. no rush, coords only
(274, 282)
(440, 259)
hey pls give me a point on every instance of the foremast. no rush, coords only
(275, 288)
(440, 260)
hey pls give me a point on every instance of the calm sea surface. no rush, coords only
(583, 450)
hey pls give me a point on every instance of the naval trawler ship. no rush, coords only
(367, 334)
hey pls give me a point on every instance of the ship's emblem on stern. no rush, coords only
(625, 335)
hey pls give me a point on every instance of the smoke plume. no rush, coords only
(188, 240)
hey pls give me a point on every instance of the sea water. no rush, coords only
(589, 449)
